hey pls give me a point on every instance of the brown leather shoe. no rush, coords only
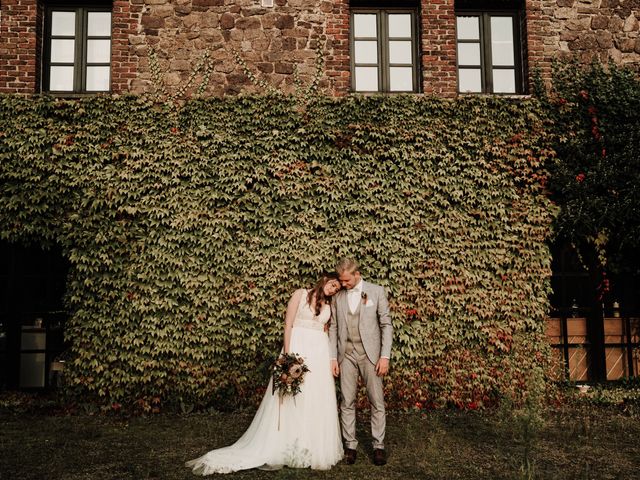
(379, 458)
(349, 456)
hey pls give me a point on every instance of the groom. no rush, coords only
(360, 336)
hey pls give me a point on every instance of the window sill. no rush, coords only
(371, 94)
(513, 96)
(75, 95)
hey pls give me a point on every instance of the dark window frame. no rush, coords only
(486, 66)
(382, 45)
(80, 48)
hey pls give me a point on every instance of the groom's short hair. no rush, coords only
(347, 265)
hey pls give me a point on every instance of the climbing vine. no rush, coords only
(595, 178)
(187, 233)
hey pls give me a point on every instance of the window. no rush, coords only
(596, 335)
(384, 50)
(77, 49)
(489, 51)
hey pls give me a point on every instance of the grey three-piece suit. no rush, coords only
(357, 340)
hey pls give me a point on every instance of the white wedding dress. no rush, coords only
(302, 431)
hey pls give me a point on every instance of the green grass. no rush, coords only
(573, 443)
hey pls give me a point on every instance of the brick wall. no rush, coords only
(337, 61)
(438, 44)
(19, 45)
(274, 40)
(537, 26)
(124, 55)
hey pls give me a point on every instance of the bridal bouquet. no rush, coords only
(288, 374)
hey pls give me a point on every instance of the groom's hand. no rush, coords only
(335, 368)
(382, 367)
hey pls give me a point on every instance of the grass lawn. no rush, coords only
(572, 443)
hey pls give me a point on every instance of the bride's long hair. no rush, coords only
(318, 291)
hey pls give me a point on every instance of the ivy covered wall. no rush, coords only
(188, 228)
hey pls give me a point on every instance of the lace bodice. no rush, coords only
(306, 317)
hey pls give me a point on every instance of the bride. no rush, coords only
(301, 431)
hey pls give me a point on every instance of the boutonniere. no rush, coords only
(363, 296)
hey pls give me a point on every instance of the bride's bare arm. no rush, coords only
(292, 308)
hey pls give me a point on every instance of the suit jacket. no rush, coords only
(374, 324)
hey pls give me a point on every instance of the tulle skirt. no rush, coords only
(301, 431)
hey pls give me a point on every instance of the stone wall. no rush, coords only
(270, 40)
(274, 40)
(593, 29)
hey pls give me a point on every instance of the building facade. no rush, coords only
(439, 47)
(433, 47)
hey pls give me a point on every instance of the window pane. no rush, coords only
(366, 79)
(469, 80)
(502, 41)
(63, 23)
(62, 51)
(469, 54)
(400, 25)
(504, 81)
(502, 54)
(366, 51)
(468, 28)
(98, 51)
(97, 79)
(61, 79)
(502, 29)
(364, 25)
(99, 24)
(401, 79)
(400, 51)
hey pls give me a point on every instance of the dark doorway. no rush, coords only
(32, 315)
